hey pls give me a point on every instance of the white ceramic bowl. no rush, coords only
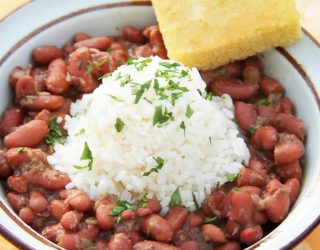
(53, 22)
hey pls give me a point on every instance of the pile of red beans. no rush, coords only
(234, 215)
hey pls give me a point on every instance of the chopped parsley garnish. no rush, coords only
(104, 76)
(145, 98)
(237, 189)
(183, 126)
(169, 65)
(184, 73)
(210, 140)
(157, 168)
(206, 95)
(55, 134)
(161, 116)
(108, 50)
(139, 64)
(212, 220)
(119, 125)
(116, 98)
(252, 130)
(120, 62)
(141, 90)
(86, 155)
(189, 111)
(195, 201)
(81, 132)
(263, 102)
(92, 66)
(21, 149)
(222, 71)
(232, 177)
(126, 80)
(175, 198)
(118, 76)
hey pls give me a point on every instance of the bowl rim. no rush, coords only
(18, 241)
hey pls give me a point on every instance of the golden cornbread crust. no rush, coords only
(209, 33)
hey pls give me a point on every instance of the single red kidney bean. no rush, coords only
(80, 201)
(288, 149)
(90, 232)
(251, 235)
(294, 189)
(245, 115)
(16, 73)
(38, 202)
(48, 179)
(25, 86)
(273, 185)
(239, 91)
(127, 215)
(40, 102)
(189, 245)
(247, 177)
(100, 43)
(11, 119)
(214, 201)
(131, 34)
(232, 229)
(213, 234)
(251, 74)
(56, 81)
(120, 56)
(104, 199)
(260, 217)
(69, 241)
(153, 34)
(120, 241)
(154, 205)
(266, 113)
(70, 220)
(277, 205)
(135, 236)
(291, 170)
(231, 245)
(17, 183)
(65, 108)
(154, 245)
(103, 63)
(269, 86)
(44, 115)
(43, 55)
(40, 75)
(232, 70)
(21, 156)
(160, 51)
(194, 220)
(254, 61)
(157, 227)
(206, 209)
(241, 207)
(142, 212)
(105, 221)
(226, 204)
(286, 105)
(57, 208)
(258, 167)
(5, 169)
(52, 232)
(26, 214)
(252, 190)
(30, 134)
(17, 201)
(176, 217)
(265, 137)
(68, 49)
(290, 124)
(80, 36)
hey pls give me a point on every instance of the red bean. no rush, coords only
(52, 232)
(131, 34)
(105, 221)
(80, 36)
(100, 43)
(157, 227)
(56, 81)
(17, 156)
(260, 217)
(5, 169)
(48, 179)
(231, 245)
(232, 228)
(251, 74)
(27, 215)
(286, 105)
(16, 73)
(120, 241)
(241, 207)
(251, 235)
(294, 189)
(135, 236)
(189, 245)
(194, 220)
(289, 124)
(277, 205)
(176, 217)
(90, 232)
(270, 86)
(70, 220)
(252, 190)
(142, 212)
(154, 35)
(120, 56)
(213, 234)
(40, 102)
(103, 63)
(17, 183)
(127, 215)
(143, 51)
(40, 75)
(247, 177)
(38, 202)
(105, 199)
(43, 55)
(25, 86)
(273, 185)
(246, 115)
(102, 244)
(226, 205)
(11, 119)
(214, 201)
(17, 201)
(232, 69)
(44, 115)
(266, 113)
(147, 245)
(288, 149)
(30, 134)
(265, 137)
(80, 201)
(57, 208)
(237, 90)
(154, 205)
(69, 241)
(291, 170)
(258, 167)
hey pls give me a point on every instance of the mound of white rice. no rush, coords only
(195, 137)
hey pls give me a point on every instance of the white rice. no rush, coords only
(195, 161)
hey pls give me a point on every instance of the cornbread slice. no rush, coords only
(209, 33)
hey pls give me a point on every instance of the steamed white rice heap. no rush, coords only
(196, 159)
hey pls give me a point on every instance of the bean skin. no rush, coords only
(69, 241)
(247, 177)
(291, 170)
(277, 205)
(157, 227)
(214, 201)
(241, 207)
(232, 229)
(272, 186)
(16, 73)
(52, 232)
(105, 221)
(11, 119)
(147, 245)
(90, 232)
(270, 86)
(57, 208)
(251, 74)
(70, 220)
(17, 201)
(80, 201)
(289, 124)
(56, 81)
(246, 115)
(176, 217)
(194, 220)
(40, 102)
(38, 202)
(30, 134)
(132, 34)
(231, 245)
(265, 137)
(252, 190)
(154, 205)
(5, 168)
(294, 189)
(127, 215)
(102, 244)
(251, 235)
(16, 157)
(258, 167)
(286, 105)
(17, 183)
(26, 214)
(100, 43)
(120, 241)
(143, 212)
(44, 115)
(232, 70)
(25, 86)
(189, 245)
(213, 234)
(80, 36)
(43, 55)
(288, 149)
(40, 75)
(153, 34)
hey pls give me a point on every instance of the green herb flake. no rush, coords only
(55, 134)
(195, 201)
(263, 102)
(232, 177)
(212, 220)
(21, 149)
(81, 132)
(86, 155)
(118, 76)
(141, 90)
(147, 100)
(161, 117)
(252, 130)
(119, 125)
(90, 68)
(223, 71)
(169, 65)
(183, 126)
(108, 50)
(184, 73)
(210, 140)
(143, 201)
(118, 219)
(175, 198)
(105, 76)
(237, 189)
(189, 111)
(120, 62)
(116, 98)
(157, 168)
